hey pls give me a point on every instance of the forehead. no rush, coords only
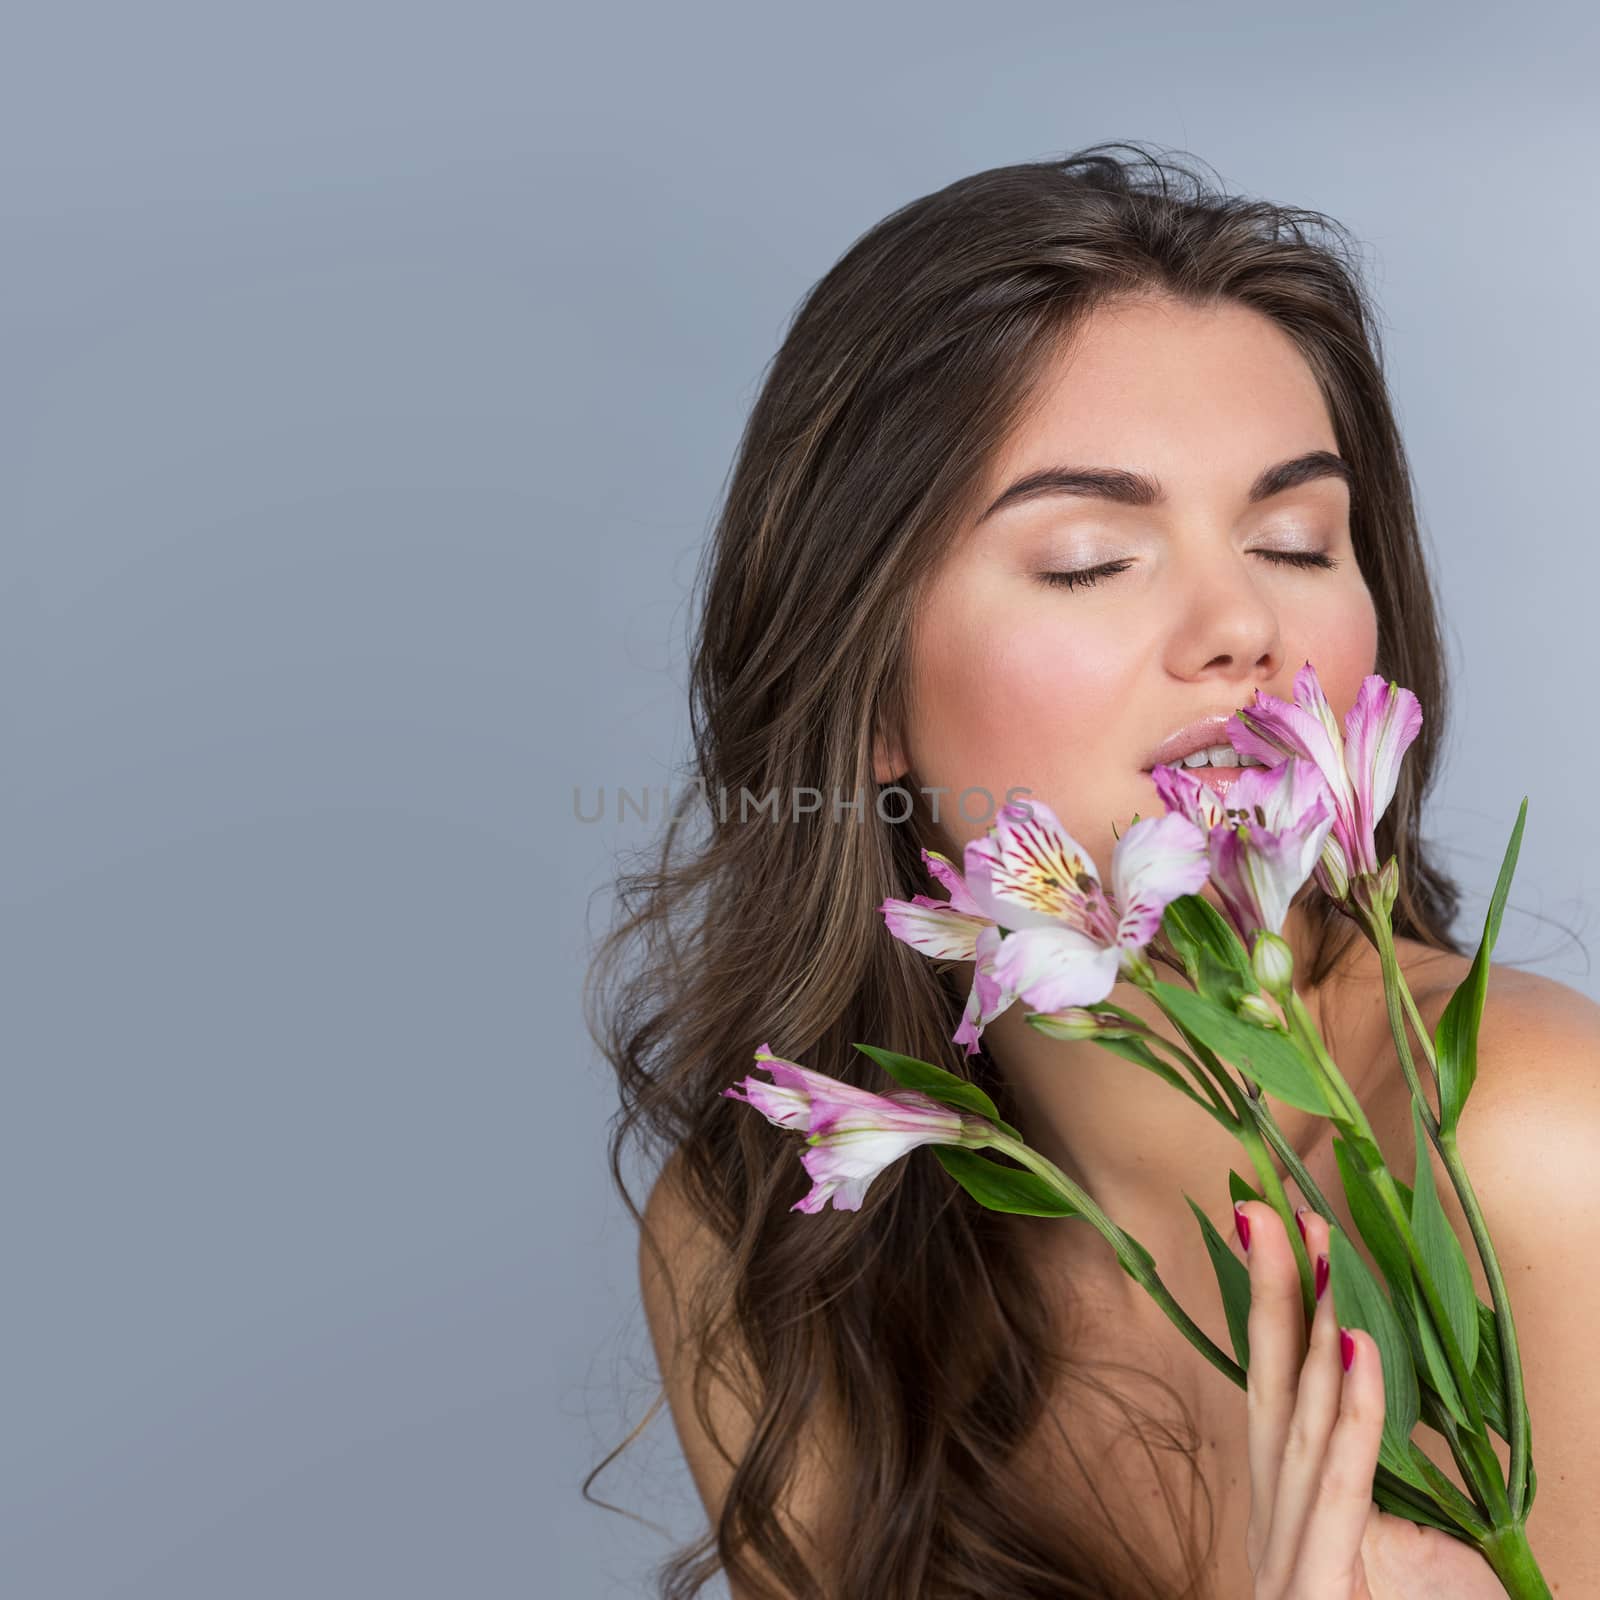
(1183, 392)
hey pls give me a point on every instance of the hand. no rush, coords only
(1314, 1532)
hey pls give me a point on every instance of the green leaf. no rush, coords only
(1269, 1058)
(1361, 1303)
(1372, 1221)
(1233, 1279)
(1487, 1374)
(1221, 982)
(1239, 1190)
(1403, 1463)
(1379, 1232)
(1447, 1265)
(1456, 1038)
(1414, 1508)
(937, 1084)
(1193, 924)
(1138, 1251)
(1363, 1149)
(1434, 1361)
(1002, 1188)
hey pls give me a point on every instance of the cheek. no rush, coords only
(1342, 643)
(1013, 704)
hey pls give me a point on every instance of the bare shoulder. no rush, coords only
(711, 1404)
(1525, 1016)
(1538, 1044)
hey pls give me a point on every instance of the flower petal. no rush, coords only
(1272, 730)
(1278, 819)
(1029, 872)
(1056, 967)
(1309, 696)
(988, 998)
(1184, 793)
(1379, 730)
(946, 871)
(1154, 862)
(934, 927)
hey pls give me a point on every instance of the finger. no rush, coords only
(1329, 1559)
(1316, 1407)
(1277, 1349)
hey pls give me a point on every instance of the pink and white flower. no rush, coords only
(852, 1134)
(1264, 843)
(1068, 940)
(1361, 761)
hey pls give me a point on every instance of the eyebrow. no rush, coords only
(1134, 489)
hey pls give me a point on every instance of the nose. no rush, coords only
(1229, 624)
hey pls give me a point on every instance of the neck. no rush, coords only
(1137, 1145)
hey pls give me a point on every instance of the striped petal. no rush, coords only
(852, 1134)
(1379, 730)
(934, 927)
(1029, 872)
(1309, 696)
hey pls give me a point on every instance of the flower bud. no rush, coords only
(1079, 1022)
(1389, 883)
(1333, 870)
(1254, 1009)
(1272, 961)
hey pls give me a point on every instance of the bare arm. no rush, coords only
(691, 1250)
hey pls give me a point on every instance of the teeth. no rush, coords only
(1220, 755)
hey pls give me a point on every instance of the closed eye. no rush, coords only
(1088, 577)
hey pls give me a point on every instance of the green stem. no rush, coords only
(1507, 1552)
(1249, 1135)
(1348, 1111)
(1515, 1398)
(1437, 1417)
(1290, 1157)
(1273, 1192)
(1133, 1256)
(1135, 1262)
(1398, 993)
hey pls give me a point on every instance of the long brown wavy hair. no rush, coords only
(902, 371)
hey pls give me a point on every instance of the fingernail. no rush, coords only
(1242, 1223)
(1347, 1348)
(1322, 1274)
(1299, 1222)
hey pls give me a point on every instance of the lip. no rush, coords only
(1222, 779)
(1200, 734)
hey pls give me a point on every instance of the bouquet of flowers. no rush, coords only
(1028, 908)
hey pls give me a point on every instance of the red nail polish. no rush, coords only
(1347, 1348)
(1322, 1274)
(1299, 1222)
(1242, 1223)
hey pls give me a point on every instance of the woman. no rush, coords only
(1055, 463)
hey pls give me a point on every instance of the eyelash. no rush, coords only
(1088, 577)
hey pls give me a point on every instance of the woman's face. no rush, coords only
(1066, 691)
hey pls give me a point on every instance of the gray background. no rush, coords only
(370, 376)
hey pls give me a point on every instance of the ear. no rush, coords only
(888, 759)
